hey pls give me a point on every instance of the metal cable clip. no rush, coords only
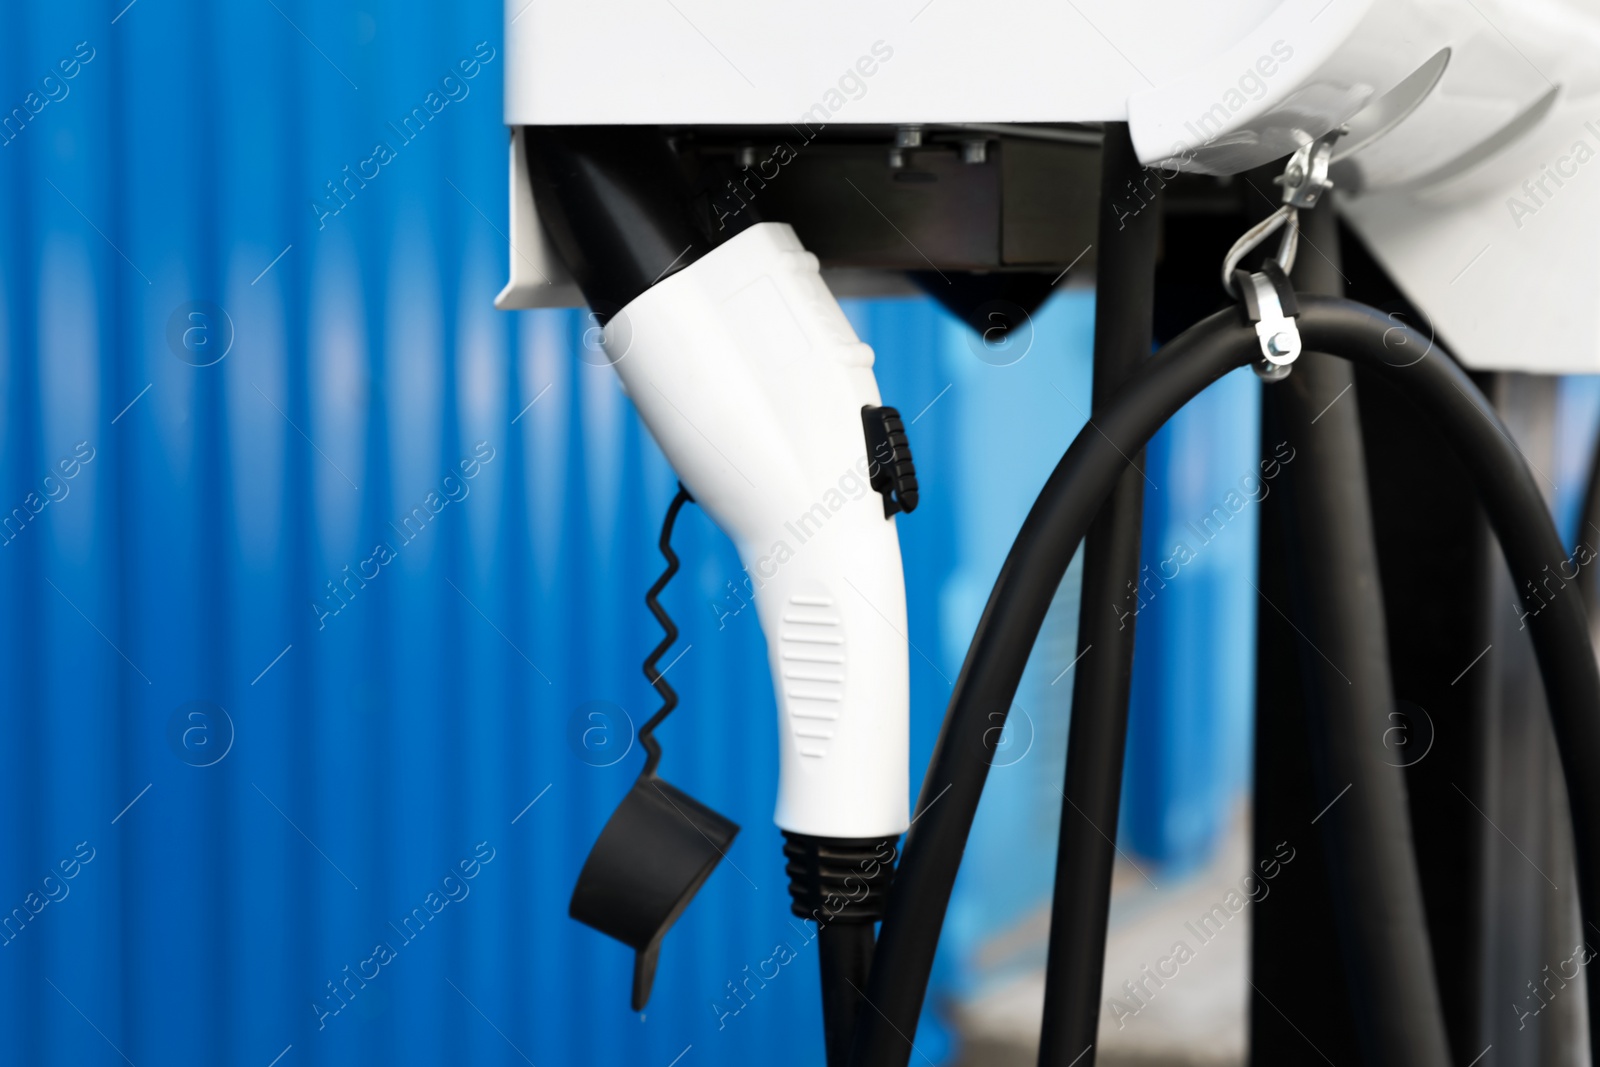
(1269, 303)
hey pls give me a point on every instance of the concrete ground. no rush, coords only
(1196, 1018)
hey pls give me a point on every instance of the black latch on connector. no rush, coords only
(889, 465)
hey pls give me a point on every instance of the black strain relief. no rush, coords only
(837, 879)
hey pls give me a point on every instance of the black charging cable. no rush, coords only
(1336, 600)
(1061, 516)
(841, 885)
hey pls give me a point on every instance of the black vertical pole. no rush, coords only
(1124, 311)
(1337, 596)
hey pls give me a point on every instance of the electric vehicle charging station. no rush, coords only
(702, 197)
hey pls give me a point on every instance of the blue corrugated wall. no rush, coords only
(317, 566)
(251, 792)
(360, 754)
(1191, 709)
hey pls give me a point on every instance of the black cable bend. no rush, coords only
(1058, 521)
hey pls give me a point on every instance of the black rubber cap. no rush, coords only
(655, 852)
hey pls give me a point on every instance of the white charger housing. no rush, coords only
(750, 378)
(1467, 171)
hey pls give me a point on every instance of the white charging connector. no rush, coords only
(750, 378)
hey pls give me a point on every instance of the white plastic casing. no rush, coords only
(1480, 196)
(752, 381)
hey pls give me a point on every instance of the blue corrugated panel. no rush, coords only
(1577, 415)
(333, 561)
(276, 665)
(1191, 712)
(1018, 410)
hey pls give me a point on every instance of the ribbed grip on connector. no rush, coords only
(834, 880)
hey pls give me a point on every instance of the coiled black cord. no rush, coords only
(669, 696)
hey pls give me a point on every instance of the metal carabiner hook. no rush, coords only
(1285, 216)
(1305, 181)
